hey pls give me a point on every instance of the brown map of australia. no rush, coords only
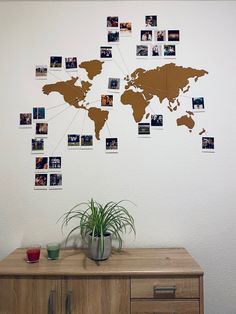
(165, 82)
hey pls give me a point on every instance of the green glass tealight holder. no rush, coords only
(53, 250)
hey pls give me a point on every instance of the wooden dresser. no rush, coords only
(133, 281)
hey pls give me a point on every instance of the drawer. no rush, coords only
(165, 288)
(165, 307)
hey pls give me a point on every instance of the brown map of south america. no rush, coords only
(165, 82)
(74, 94)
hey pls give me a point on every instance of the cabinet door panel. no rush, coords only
(89, 295)
(30, 296)
(165, 307)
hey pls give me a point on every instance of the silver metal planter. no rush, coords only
(95, 251)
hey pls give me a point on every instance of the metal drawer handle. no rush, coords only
(51, 302)
(69, 302)
(164, 292)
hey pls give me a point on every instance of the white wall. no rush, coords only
(184, 197)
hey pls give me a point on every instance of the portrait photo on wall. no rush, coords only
(143, 128)
(169, 51)
(56, 62)
(156, 51)
(157, 120)
(151, 20)
(37, 145)
(54, 163)
(106, 100)
(125, 28)
(40, 181)
(41, 163)
(141, 51)
(106, 52)
(41, 72)
(71, 63)
(73, 140)
(208, 144)
(86, 141)
(160, 35)
(145, 35)
(38, 113)
(55, 181)
(112, 21)
(25, 120)
(112, 144)
(114, 84)
(173, 35)
(113, 36)
(198, 103)
(41, 129)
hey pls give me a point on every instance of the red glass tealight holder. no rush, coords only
(33, 254)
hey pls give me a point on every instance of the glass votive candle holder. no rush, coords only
(53, 250)
(33, 254)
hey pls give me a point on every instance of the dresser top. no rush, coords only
(135, 262)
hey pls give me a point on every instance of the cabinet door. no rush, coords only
(30, 296)
(100, 295)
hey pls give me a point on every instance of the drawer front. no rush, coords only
(165, 307)
(164, 288)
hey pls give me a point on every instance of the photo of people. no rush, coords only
(173, 35)
(113, 83)
(169, 50)
(156, 51)
(41, 71)
(38, 113)
(41, 128)
(160, 35)
(73, 140)
(112, 21)
(125, 28)
(151, 21)
(142, 50)
(86, 140)
(41, 180)
(56, 62)
(113, 36)
(37, 145)
(106, 52)
(143, 128)
(107, 100)
(146, 35)
(54, 162)
(71, 63)
(26, 119)
(157, 120)
(208, 143)
(55, 180)
(112, 143)
(41, 163)
(198, 102)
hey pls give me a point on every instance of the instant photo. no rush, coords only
(157, 121)
(71, 64)
(41, 72)
(37, 145)
(113, 36)
(107, 100)
(156, 51)
(125, 29)
(54, 163)
(198, 103)
(112, 145)
(73, 141)
(86, 142)
(25, 120)
(169, 51)
(208, 144)
(144, 129)
(146, 35)
(55, 63)
(55, 181)
(151, 21)
(39, 113)
(106, 52)
(41, 163)
(112, 21)
(141, 51)
(41, 129)
(40, 181)
(160, 35)
(114, 84)
(173, 35)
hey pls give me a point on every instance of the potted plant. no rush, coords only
(99, 224)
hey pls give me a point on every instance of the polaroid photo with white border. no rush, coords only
(169, 51)
(198, 104)
(25, 121)
(106, 53)
(142, 51)
(56, 63)
(41, 181)
(112, 21)
(156, 51)
(71, 64)
(41, 164)
(208, 144)
(144, 129)
(55, 181)
(146, 35)
(39, 113)
(41, 129)
(157, 121)
(41, 72)
(125, 29)
(54, 163)
(37, 145)
(113, 36)
(114, 84)
(73, 141)
(86, 142)
(111, 145)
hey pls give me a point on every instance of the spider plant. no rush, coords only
(99, 221)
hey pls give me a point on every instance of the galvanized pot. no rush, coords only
(95, 251)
